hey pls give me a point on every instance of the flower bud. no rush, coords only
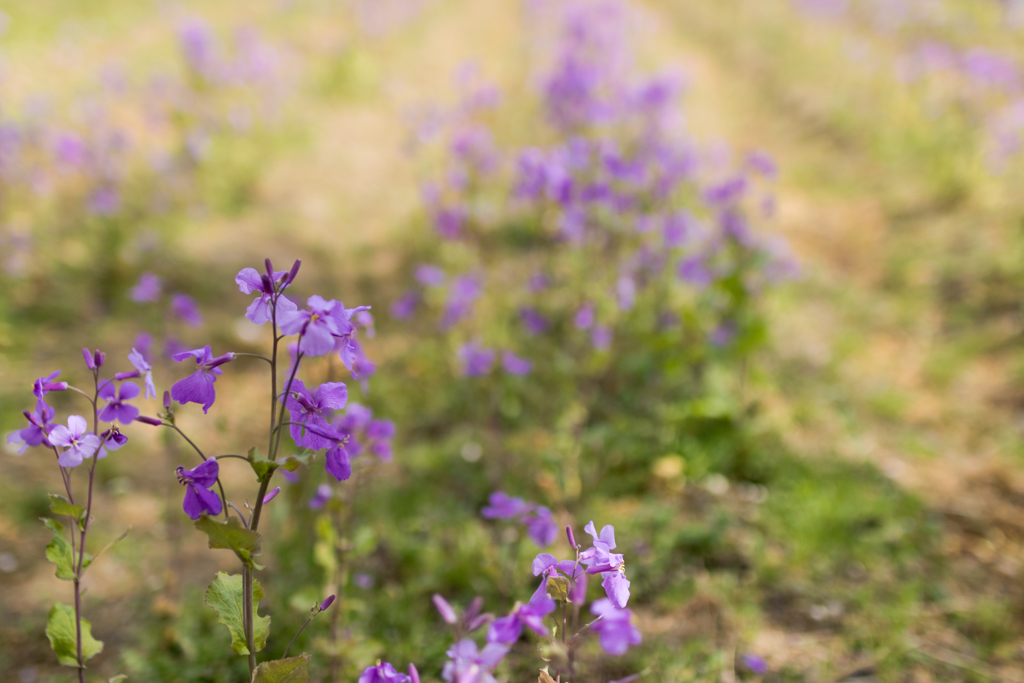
(569, 535)
(294, 271)
(328, 601)
(447, 613)
(270, 268)
(167, 400)
(89, 362)
(149, 420)
(270, 496)
(480, 621)
(475, 605)
(119, 376)
(414, 675)
(220, 360)
(98, 357)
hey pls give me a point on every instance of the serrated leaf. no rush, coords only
(291, 670)
(60, 629)
(225, 596)
(59, 505)
(58, 551)
(231, 535)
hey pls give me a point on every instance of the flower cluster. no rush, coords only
(561, 581)
(90, 153)
(539, 523)
(632, 225)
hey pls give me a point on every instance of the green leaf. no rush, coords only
(59, 505)
(291, 670)
(118, 678)
(231, 535)
(58, 551)
(60, 629)
(293, 462)
(260, 465)
(225, 596)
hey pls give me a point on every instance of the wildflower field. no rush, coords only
(480, 341)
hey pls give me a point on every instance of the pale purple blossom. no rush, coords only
(261, 310)
(475, 360)
(147, 289)
(615, 628)
(184, 307)
(515, 365)
(76, 439)
(143, 367)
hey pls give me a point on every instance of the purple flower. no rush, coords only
(382, 673)
(105, 201)
(503, 507)
(260, 310)
(600, 560)
(324, 493)
(379, 434)
(198, 387)
(756, 664)
(139, 361)
(338, 464)
(450, 220)
(147, 289)
(308, 410)
(117, 407)
(405, 306)
(514, 365)
(726, 193)
(184, 307)
(328, 601)
(507, 630)
(533, 321)
(430, 276)
(199, 498)
(476, 361)
(547, 565)
(601, 337)
(584, 319)
(694, 270)
(79, 442)
(616, 586)
(614, 628)
(38, 428)
(763, 163)
(354, 359)
(318, 325)
(44, 385)
(111, 440)
(468, 664)
(464, 292)
(540, 526)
